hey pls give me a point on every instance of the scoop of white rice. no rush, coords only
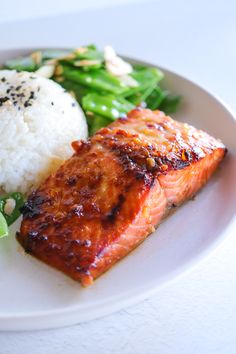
(38, 122)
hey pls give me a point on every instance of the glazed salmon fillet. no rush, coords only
(113, 192)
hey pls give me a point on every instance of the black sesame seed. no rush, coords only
(3, 79)
(31, 95)
(3, 100)
(18, 88)
(52, 103)
(27, 104)
(73, 104)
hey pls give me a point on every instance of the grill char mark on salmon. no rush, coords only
(119, 185)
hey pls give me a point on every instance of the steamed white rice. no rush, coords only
(38, 122)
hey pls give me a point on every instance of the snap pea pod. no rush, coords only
(19, 201)
(147, 74)
(90, 82)
(3, 226)
(145, 78)
(107, 106)
(95, 79)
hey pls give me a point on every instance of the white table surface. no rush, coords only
(196, 313)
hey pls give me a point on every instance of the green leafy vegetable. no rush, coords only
(155, 98)
(3, 226)
(19, 201)
(170, 103)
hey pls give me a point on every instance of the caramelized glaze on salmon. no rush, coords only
(119, 185)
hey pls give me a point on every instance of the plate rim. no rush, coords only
(101, 308)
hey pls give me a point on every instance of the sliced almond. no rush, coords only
(46, 71)
(81, 50)
(60, 79)
(118, 67)
(109, 53)
(68, 56)
(72, 93)
(9, 206)
(55, 60)
(114, 64)
(86, 62)
(37, 57)
(51, 62)
(58, 71)
(89, 113)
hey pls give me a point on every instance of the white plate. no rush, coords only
(34, 296)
